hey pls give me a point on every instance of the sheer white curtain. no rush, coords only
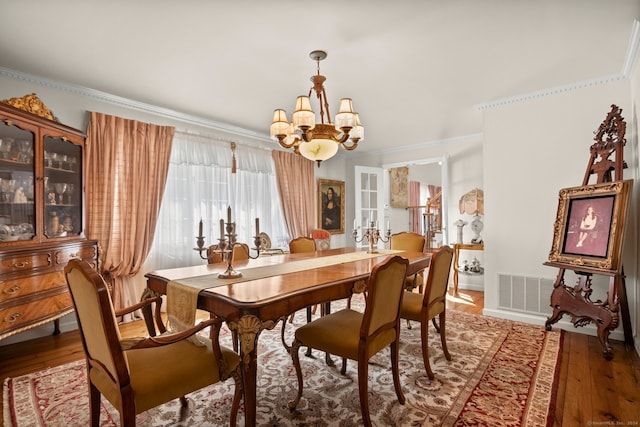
(200, 185)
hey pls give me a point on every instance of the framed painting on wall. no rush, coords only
(331, 205)
(399, 178)
(589, 226)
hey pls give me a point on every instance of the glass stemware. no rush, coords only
(60, 187)
(69, 193)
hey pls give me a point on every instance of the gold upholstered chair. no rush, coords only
(302, 244)
(240, 252)
(425, 307)
(414, 242)
(137, 374)
(358, 336)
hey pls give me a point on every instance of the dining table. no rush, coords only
(270, 289)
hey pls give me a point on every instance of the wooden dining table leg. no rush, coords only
(248, 329)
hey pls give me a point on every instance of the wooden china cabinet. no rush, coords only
(41, 214)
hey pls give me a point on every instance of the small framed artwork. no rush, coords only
(589, 227)
(331, 205)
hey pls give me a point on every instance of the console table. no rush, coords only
(456, 256)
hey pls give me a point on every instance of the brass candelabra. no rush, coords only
(372, 234)
(226, 243)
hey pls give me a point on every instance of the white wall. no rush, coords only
(632, 246)
(532, 149)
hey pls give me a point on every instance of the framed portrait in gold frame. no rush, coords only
(589, 227)
(331, 206)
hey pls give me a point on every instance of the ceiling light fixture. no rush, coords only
(317, 141)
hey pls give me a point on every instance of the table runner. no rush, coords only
(182, 294)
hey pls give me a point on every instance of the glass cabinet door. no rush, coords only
(62, 188)
(17, 191)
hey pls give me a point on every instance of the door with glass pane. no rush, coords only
(369, 203)
(17, 172)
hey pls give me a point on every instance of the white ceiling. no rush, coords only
(417, 70)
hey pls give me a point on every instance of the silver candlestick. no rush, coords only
(372, 234)
(227, 244)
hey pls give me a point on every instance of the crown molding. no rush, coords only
(551, 91)
(134, 105)
(627, 68)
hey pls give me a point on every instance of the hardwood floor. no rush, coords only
(591, 390)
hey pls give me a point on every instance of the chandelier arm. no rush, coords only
(293, 143)
(353, 146)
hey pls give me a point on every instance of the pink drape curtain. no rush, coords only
(127, 164)
(414, 200)
(433, 190)
(296, 185)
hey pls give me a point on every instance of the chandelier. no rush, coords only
(317, 141)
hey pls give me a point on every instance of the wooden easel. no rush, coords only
(575, 300)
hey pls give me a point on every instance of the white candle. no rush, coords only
(354, 224)
(388, 226)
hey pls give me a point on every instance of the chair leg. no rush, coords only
(408, 324)
(363, 389)
(237, 395)
(128, 413)
(443, 336)
(396, 372)
(94, 405)
(296, 364)
(286, 346)
(435, 325)
(424, 333)
(344, 366)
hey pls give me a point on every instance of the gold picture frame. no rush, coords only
(331, 206)
(589, 227)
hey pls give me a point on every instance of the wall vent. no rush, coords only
(525, 294)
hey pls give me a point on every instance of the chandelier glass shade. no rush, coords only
(317, 141)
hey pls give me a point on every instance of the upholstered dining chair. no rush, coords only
(137, 374)
(322, 239)
(358, 336)
(414, 242)
(240, 252)
(299, 245)
(302, 244)
(425, 307)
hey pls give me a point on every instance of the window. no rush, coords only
(200, 185)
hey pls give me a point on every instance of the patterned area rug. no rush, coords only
(503, 373)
